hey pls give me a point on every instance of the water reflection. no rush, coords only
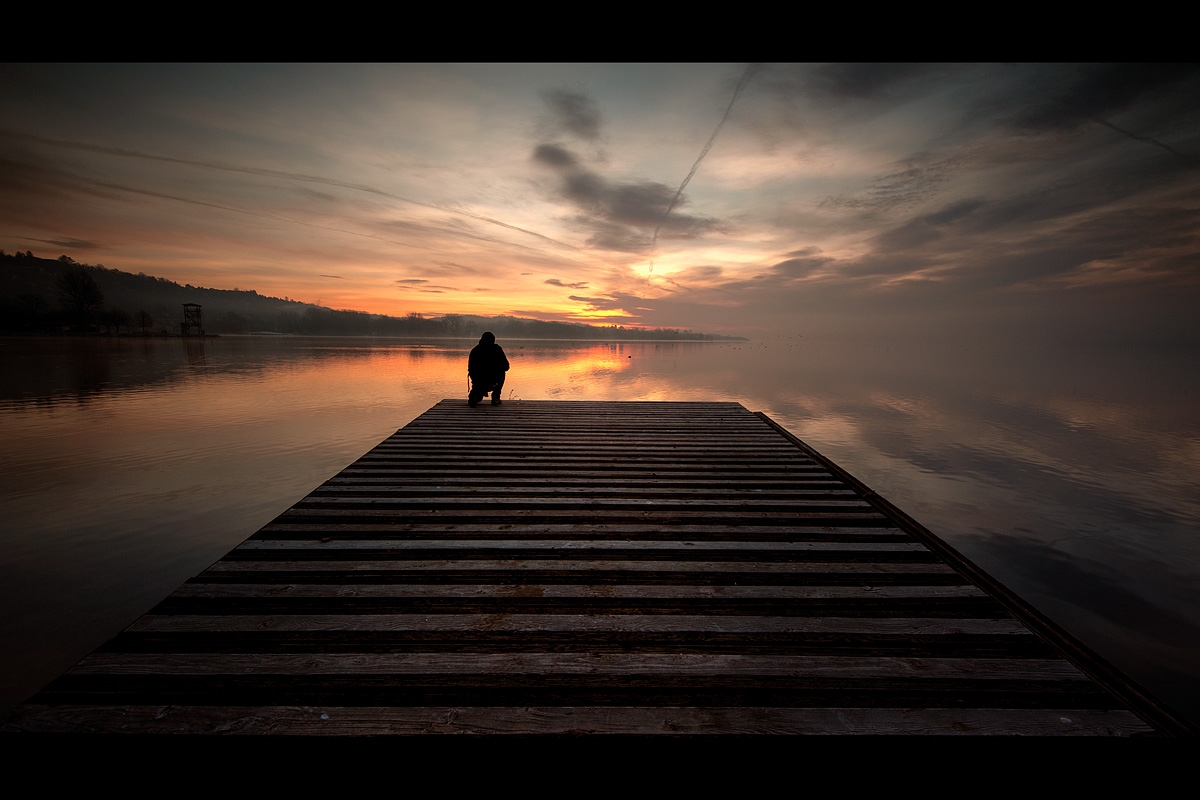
(130, 465)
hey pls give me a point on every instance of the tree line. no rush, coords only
(39, 295)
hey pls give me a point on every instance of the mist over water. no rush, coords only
(1069, 473)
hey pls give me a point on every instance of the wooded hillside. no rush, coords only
(42, 295)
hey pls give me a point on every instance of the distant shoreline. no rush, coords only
(42, 296)
(416, 339)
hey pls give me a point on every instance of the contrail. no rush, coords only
(1187, 159)
(750, 70)
(277, 218)
(177, 198)
(273, 173)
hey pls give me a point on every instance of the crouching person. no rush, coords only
(486, 367)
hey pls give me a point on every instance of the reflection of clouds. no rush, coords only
(1124, 607)
(1023, 447)
(1070, 477)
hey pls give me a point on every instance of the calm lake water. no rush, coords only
(1071, 475)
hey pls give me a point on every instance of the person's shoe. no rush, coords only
(496, 401)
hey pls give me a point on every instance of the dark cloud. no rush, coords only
(585, 188)
(1116, 237)
(27, 176)
(639, 203)
(574, 113)
(915, 180)
(928, 227)
(1070, 95)
(313, 193)
(611, 236)
(1187, 159)
(455, 267)
(864, 90)
(323, 275)
(621, 215)
(861, 81)
(557, 282)
(599, 302)
(617, 211)
(422, 285)
(800, 267)
(554, 155)
(700, 274)
(627, 304)
(71, 244)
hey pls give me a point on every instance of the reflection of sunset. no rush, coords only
(582, 370)
(136, 464)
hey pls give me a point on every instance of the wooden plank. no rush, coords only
(719, 571)
(718, 531)
(391, 721)
(636, 592)
(704, 625)
(585, 547)
(752, 666)
(613, 567)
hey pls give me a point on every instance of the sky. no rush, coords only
(874, 202)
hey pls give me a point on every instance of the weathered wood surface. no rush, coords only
(565, 567)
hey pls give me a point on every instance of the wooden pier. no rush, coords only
(568, 567)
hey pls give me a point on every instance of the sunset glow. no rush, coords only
(763, 199)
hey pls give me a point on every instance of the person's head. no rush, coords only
(487, 338)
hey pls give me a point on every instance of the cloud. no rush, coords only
(598, 302)
(625, 304)
(1187, 159)
(801, 267)
(857, 82)
(1069, 96)
(554, 156)
(620, 215)
(273, 173)
(422, 285)
(573, 113)
(741, 84)
(927, 228)
(456, 267)
(71, 244)
(702, 275)
(915, 180)
(557, 282)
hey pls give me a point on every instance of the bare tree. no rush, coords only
(79, 294)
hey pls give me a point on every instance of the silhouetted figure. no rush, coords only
(486, 367)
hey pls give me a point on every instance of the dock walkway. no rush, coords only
(566, 567)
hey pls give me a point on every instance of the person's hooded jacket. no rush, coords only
(487, 362)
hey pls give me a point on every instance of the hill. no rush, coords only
(41, 295)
